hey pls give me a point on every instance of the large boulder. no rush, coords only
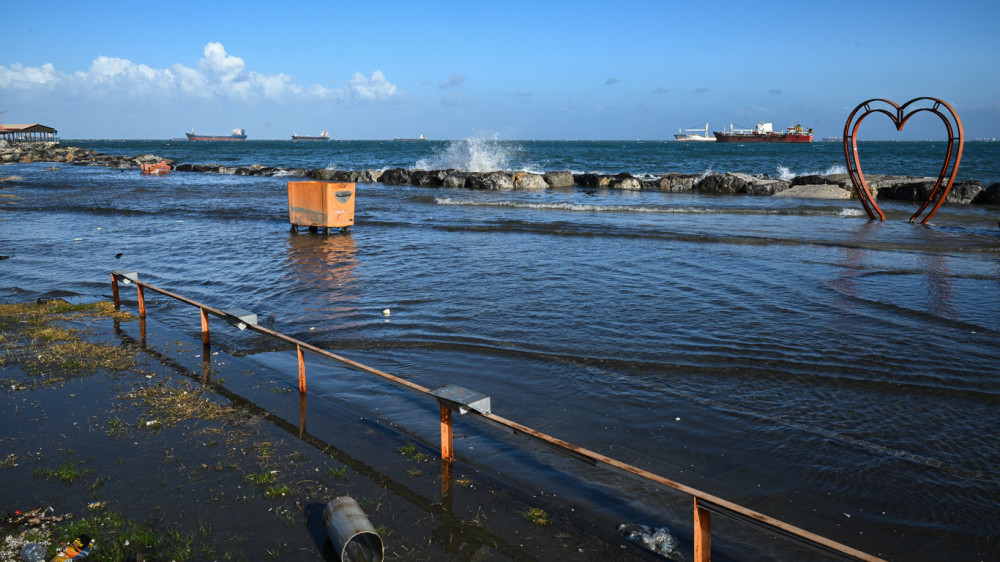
(990, 195)
(496, 181)
(321, 174)
(424, 178)
(395, 176)
(818, 191)
(964, 192)
(587, 180)
(559, 179)
(369, 176)
(727, 183)
(527, 180)
(901, 188)
(456, 180)
(759, 186)
(843, 180)
(671, 182)
(624, 181)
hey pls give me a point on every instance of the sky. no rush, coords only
(525, 70)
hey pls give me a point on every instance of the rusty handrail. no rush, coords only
(704, 503)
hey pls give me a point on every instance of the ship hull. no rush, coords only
(694, 138)
(754, 137)
(194, 137)
(298, 138)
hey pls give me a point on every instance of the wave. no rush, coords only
(685, 210)
(476, 154)
(784, 173)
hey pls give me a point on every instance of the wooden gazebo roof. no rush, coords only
(32, 128)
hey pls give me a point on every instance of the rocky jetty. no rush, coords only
(835, 186)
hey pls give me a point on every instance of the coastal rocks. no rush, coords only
(395, 176)
(558, 179)
(842, 180)
(591, 180)
(496, 181)
(965, 192)
(27, 152)
(815, 191)
(431, 178)
(728, 183)
(833, 186)
(456, 180)
(990, 195)
(671, 182)
(326, 174)
(766, 186)
(526, 180)
(625, 181)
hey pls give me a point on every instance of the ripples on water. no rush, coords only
(830, 371)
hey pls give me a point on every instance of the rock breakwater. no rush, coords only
(834, 186)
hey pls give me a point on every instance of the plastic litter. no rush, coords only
(79, 549)
(658, 539)
(33, 552)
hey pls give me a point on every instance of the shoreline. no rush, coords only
(163, 454)
(834, 186)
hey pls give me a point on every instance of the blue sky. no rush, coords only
(513, 69)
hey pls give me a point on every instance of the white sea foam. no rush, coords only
(473, 154)
(852, 213)
(576, 207)
(786, 174)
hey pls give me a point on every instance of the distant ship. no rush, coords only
(692, 135)
(764, 133)
(832, 139)
(238, 135)
(421, 137)
(322, 136)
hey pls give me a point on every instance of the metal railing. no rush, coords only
(477, 406)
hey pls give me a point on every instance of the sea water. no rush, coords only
(789, 355)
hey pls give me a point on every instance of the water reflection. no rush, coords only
(324, 265)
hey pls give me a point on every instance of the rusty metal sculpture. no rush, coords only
(899, 114)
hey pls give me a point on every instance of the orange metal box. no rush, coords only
(321, 203)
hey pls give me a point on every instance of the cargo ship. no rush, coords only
(764, 133)
(322, 136)
(693, 135)
(238, 135)
(421, 137)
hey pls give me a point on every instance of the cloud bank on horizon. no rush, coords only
(219, 75)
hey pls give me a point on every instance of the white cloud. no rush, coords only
(374, 88)
(17, 77)
(452, 81)
(218, 75)
(216, 63)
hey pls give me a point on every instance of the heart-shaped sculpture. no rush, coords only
(899, 115)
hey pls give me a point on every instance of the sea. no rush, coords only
(789, 355)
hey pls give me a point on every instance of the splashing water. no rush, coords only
(785, 174)
(473, 154)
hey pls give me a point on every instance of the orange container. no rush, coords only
(325, 204)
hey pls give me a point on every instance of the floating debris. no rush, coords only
(658, 540)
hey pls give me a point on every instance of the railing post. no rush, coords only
(447, 444)
(142, 300)
(204, 327)
(114, 291)
(702, 534)
(302, 369)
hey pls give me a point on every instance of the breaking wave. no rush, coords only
(786, 174)
(477, 154)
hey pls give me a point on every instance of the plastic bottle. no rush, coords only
(33, 552)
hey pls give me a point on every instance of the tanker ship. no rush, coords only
(763, 132)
